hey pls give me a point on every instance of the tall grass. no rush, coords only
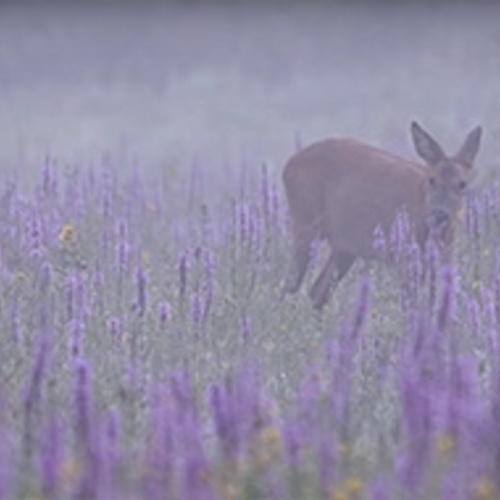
(146, 353)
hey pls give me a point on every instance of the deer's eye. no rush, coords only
(432, 181)
(462, 185)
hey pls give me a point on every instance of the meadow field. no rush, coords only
(146, 351)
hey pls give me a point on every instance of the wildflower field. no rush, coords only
(146, 353)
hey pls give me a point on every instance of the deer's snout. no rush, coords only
(440, 217)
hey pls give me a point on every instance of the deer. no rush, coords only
(340, 190)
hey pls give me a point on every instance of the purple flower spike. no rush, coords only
(327, 462)
(293, 436)
(89, 482)
(33, 390)
(195, 470)
(183, 275)
(417, 421)
(51, 457)
(109, 461)
(123, 248)
(380, 489)
(161, 454)
(141, 279)
(49, 180)
(164, 312)
(82, 407)
(226, 426)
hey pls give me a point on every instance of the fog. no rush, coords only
(163, 85)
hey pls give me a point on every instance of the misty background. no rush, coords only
(163, 85)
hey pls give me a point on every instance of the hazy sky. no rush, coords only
(167, 84)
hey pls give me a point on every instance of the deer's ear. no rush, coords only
(470, 147)
(426, 147)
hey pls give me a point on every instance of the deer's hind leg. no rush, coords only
(327, 280)
(303, 238)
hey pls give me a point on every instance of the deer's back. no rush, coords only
(351, 188)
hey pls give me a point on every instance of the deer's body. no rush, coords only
(341, 190)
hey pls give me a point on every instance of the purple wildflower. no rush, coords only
(51, 456)
(183, 275)
(161, 454)
(84, 433)
(141, 280)
(123, 248)
(83, 423)
(164, 312)
(32, 393)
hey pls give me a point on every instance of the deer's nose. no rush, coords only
(440, 217)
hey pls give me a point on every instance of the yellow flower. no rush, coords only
(67, 236)
(70, 471)
(271, 437)
(446, 445)
(340, 495)
(485, 489)
(268, 446)
(352, 488)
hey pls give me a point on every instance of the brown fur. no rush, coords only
(341, 190)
